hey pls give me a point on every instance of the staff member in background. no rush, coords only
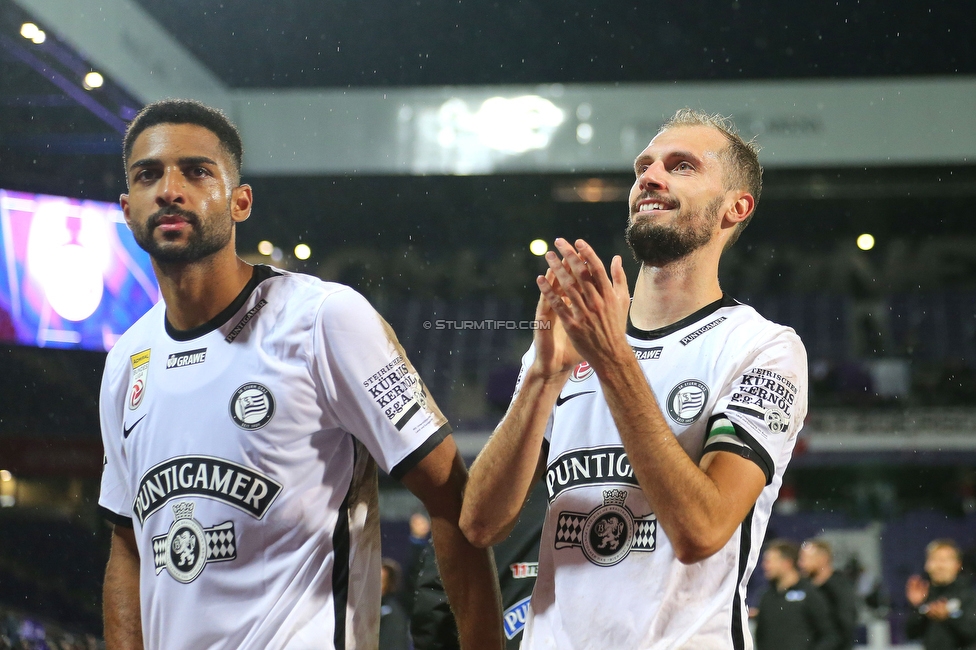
(792, 613)
(817, 563)
(943, 610)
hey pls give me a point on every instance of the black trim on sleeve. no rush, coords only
(760, 457)
(259, 274)
(661, 332)
(420, 452)
(114, 517)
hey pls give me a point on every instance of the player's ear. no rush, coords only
(124, 202)
(741, 208)
(241, 201)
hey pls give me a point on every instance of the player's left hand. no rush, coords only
(591, 307)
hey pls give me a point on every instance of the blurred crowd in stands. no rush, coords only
(23, 631)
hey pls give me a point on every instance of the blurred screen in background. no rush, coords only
(71, 275)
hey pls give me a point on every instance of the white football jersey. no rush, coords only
(242, 453)
(725, 379)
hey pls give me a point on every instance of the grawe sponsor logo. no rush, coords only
(188, 358)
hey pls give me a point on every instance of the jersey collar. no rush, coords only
(661, 332)
(259, 274)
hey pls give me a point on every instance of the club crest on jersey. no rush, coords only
(188, 547)
(581, 372)
(686, 401)
(609, 533)
(140, 375)
(252, 406)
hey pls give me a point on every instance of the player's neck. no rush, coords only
(196, 292)
(665, 295)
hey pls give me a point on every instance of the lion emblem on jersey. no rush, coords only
(184, 545)
(188, 547)
(609, 530)
(609, 533)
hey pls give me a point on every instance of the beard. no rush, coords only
(658, 245)
(203, 240)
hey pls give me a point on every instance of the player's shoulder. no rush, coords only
(331, 302)
(303, 284)
(750, 325)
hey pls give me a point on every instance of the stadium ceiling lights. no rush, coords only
(33, 33)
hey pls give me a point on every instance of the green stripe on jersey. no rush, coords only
(721, 437)
(721, 427)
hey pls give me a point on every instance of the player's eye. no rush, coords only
(684, 166)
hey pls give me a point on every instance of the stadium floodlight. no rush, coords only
(865, 242)
(93, 80)
(538, 247)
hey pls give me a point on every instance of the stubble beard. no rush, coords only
(203, 240)
(658, 245)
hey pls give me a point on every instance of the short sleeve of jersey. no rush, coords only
(527, 359)
(114, 499)
(372, 387)
(762, 410)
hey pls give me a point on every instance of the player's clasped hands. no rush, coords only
(590, 305)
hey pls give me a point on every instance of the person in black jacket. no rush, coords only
(817, 563)
(394, 620)
(517, 559)
(792, 613)
(943, 607)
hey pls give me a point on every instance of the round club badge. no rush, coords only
(608, 535)
(252, 406)
(686, 401)
(418, 391)
(186, 545)
(776, 420)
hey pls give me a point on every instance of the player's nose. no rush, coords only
(654, 177)
(170, 188)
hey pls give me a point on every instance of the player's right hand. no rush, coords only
(555, 354)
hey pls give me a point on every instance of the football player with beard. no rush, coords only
(672, 416)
